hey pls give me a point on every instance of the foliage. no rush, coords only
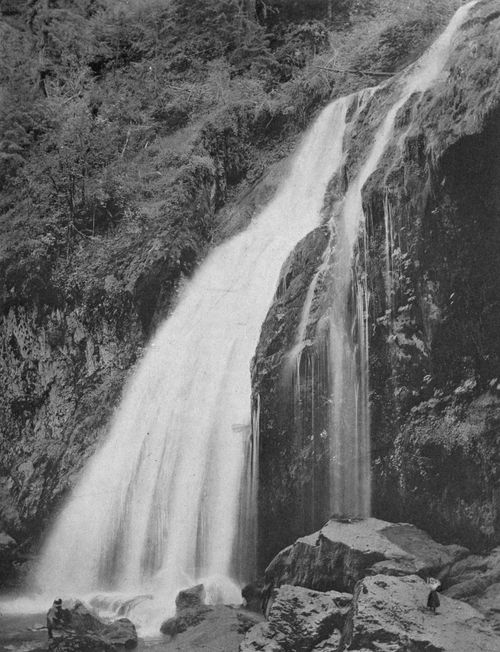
(108, 108)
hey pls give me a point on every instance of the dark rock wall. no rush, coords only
(290, 460)
(434, 339)
(61, 375)
(433, 319)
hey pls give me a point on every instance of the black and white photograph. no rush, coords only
(250, 325)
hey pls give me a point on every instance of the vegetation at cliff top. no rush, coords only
(114, 113)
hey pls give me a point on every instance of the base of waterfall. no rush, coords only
(146, 608)
(99, 625)
(80, 630)
(354, 585)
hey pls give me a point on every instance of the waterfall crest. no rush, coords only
(158, 505)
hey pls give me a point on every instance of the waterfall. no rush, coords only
(346, 327)
(158, 506)
(170, 496)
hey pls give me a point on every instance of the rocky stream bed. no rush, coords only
(354, 585)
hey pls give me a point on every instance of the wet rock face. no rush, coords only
(191, 610)
(434, 309)
(443, 470)
(434, 344)
(60, 377)
(285, 462)
(189, 598)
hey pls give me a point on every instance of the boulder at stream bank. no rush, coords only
(298, 620)
(389, 614)
(85, 631)
(213, 628)
(386, 613)
(343, 552)
(385, 566)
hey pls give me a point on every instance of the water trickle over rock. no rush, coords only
(395, 208)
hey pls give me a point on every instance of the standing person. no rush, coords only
(55, 617)
(433, 601)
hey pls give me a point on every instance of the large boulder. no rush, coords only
(121, 633)
(390, 615)
(183, 620)
(84, 630)
(343, 552)
(191, 597)
(299, 619)
(191, 610)
(218, 628)
(215, 628)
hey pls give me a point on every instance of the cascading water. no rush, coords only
(347, 324)
(170, 494)
(157, 508)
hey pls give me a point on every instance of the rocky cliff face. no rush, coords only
(432, 265)
(435, 356)
(61, 376)
(73, 327)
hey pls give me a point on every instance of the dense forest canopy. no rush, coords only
(108, 110)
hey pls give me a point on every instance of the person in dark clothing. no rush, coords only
(55, 617)
(433, 601)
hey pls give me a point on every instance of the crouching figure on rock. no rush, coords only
(56, 618)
